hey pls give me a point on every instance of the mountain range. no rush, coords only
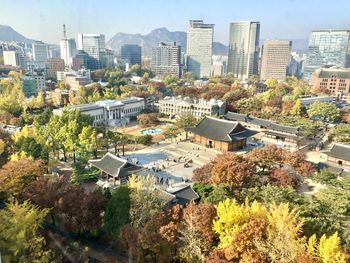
(8, 34)
(155, 36)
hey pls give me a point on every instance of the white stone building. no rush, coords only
(198, 107)
(110, 112)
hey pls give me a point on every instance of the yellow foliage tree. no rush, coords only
(327, 250)
(232, 218)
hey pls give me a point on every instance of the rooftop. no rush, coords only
(339, 72)
(221, 130)
(270, 125)
(115, 166)
(340, 151)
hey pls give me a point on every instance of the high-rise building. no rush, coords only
(199, 48)
(40, 51)
(131, 54)
(276, 55)
(327, 48)
(243, 54)
(54, 65)
(166, 59)
(94, 46)
(68, 48)
(14, 58)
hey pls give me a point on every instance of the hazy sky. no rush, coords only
(43, 19)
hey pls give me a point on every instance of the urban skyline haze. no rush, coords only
(285, 19)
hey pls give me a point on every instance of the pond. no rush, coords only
(151, 131)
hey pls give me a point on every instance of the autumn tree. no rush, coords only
(266, 158)
(203, 173)
(17, 174)
(327, 249)
(147, 119)
(145, 200)
(19, 237)
(201, 217)
(231, 170)
(69, 206)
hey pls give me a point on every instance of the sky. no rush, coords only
(287, 19)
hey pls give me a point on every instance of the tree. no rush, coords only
(296, 110)
(145, 139)
(145, 199)
(200, 217)
(325, 111)
(148, 119)
(271, 83)
(75, 210)
(231, 170)
(19, 238)
(16, 175)
(29, 146)
(266, 158)
(88, 141)
(342, 133)
(282, 177)
(186, 120)
(118, 210)
(171, 132)
(327, 250)
(202, 174)
(191, 250)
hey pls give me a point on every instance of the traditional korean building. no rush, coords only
(269, 128)
(339, 154)
(115, 169)
(223, 135)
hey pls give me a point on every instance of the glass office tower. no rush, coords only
(327, 48)
(243, 53)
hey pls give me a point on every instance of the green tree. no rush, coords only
(145, 139)
(325, 111)
(118, 210)
(186, 120)
(29, 146)
(19, 238)
(342, 133)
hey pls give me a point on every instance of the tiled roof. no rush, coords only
(340, 151)
(220, 130)
(270, 125)
(184, 195)
(115, 166)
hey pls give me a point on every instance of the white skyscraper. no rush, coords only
(94, 46)
(243, 53)
(199, 48)
(68, 48)
(14, 58)
(40, 51)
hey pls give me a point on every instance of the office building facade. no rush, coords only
(327, 48)
(54, 65)
(94, 46)
(14, 58)
(335, 80)
(243, 54)
(199, 48)
(276, 56)
(40, 51)
(166, 59)
(131, 54)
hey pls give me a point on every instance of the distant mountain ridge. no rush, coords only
(155, 36)
(8, 34)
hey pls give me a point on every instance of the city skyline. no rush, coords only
(296, 19)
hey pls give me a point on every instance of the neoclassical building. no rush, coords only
(110, 112)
